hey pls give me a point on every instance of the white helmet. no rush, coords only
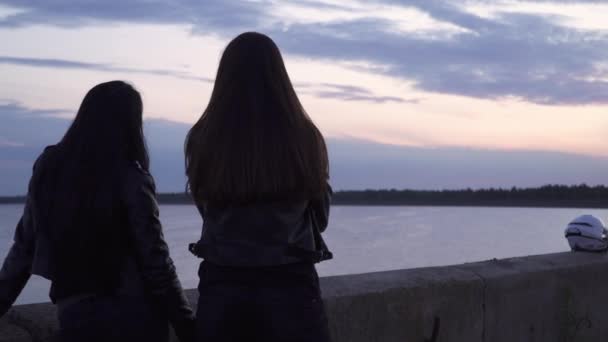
(587, 233)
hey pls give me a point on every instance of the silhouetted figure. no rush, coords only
(90, 225)
(257, 169)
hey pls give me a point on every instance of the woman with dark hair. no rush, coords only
(90, 225)
(257, 169)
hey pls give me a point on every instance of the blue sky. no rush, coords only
(440, 94)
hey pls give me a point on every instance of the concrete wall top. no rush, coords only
(550, 298)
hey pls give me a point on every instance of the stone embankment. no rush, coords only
(547, 298)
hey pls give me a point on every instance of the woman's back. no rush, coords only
(265, 233)
(84, 238)
(90, 225)
(77, 187)
(83, 247)
(257, 165)
(254, 141)
(257, 169)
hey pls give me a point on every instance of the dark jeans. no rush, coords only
(111, 319)
(281, 303)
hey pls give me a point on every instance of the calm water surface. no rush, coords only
(366, 239)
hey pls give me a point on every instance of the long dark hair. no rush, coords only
(108, 128)
(80, 180)
(254, 142)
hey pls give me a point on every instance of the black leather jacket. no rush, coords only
(147, 270)
(264, 234)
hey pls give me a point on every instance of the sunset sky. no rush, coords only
(479, 76)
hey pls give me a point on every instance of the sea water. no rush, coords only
(374, 238)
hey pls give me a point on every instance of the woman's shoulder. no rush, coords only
(44, 157)
(135, 175)
(137, 168)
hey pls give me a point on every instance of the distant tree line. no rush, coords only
(545, 196)
(548, 195)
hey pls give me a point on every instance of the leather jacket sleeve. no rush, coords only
(152, 253)
(16, 270)
(320, 209)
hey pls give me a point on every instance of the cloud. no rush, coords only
(70, 64)
(23, 134)
(523, 56)
(529, 56)
(76, 13)
(360, 164)
(4, 142)
(348, 93)
(28, 127)
(13, 109)
(323, 90)
(355, 164)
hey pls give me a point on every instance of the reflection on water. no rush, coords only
(367, 239)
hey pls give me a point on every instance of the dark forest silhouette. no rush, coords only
(545, 196)
(581, 196)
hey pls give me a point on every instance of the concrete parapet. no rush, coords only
(550, 298)
(545, 298)
(405, 305)
(12, 333)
